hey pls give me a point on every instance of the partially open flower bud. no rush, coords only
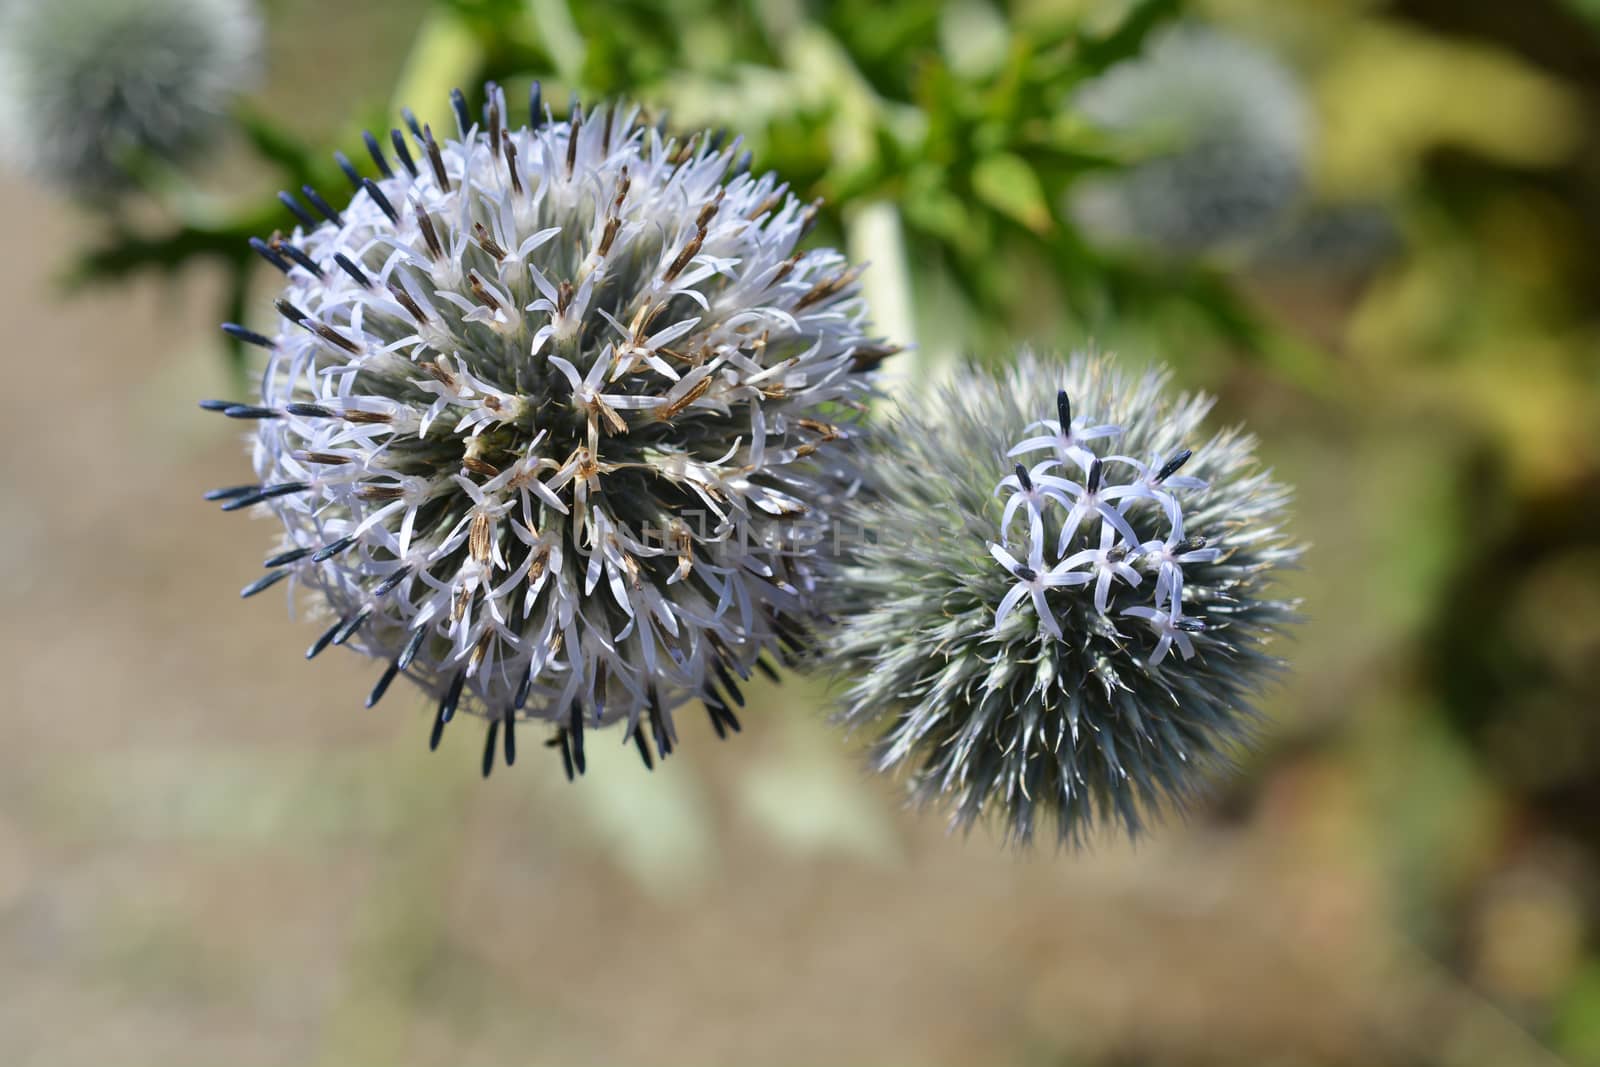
(1076, 641)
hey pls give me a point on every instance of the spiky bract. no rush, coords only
(90, 87)
(1051, 668)
(543, 411)
(1223, 130)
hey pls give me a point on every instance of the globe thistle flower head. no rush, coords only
(546, 417)
(1077, 641)
(1224, 129)
(87, 87)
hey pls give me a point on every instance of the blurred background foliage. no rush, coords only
(1418, 343)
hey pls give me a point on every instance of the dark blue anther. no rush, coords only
(378, 198)
(383, 684)
(376, 152)
(324, 641)
(409, 653)
(265, 582)
(452, 696)
(1171, 466)
(356, 273)
(249, 337)
(488, 746)
(250, 411)
(350, 625)
(398, 139)
(266, 252)
(231, 492)
(333, 548)
(287, 200)
(283, 559)
(295, 253)
(323, 207)
(349, 169)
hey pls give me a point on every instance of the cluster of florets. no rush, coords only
(1105, 509)
(93, 90)
(543, 410)
(1081, 643)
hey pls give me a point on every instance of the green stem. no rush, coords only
(877, 238)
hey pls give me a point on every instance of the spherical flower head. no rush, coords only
(1224, 129)
(87, 87)
(549, 415)
(1056, 604)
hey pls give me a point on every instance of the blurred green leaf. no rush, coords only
(277, 145)
(445, 55)
(1009, 185)
(1577, 1023)
(1096, 54)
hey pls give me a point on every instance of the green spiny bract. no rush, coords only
(90, 88)
(1162, 642)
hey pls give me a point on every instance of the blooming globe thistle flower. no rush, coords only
(88, 86)
(1226, 128)
(543, 415)
(1057, 604)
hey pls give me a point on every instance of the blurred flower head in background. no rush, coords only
(542, 412)
(1082, 641)
(90, 90)
(1221, 132)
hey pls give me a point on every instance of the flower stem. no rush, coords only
(877, 239)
